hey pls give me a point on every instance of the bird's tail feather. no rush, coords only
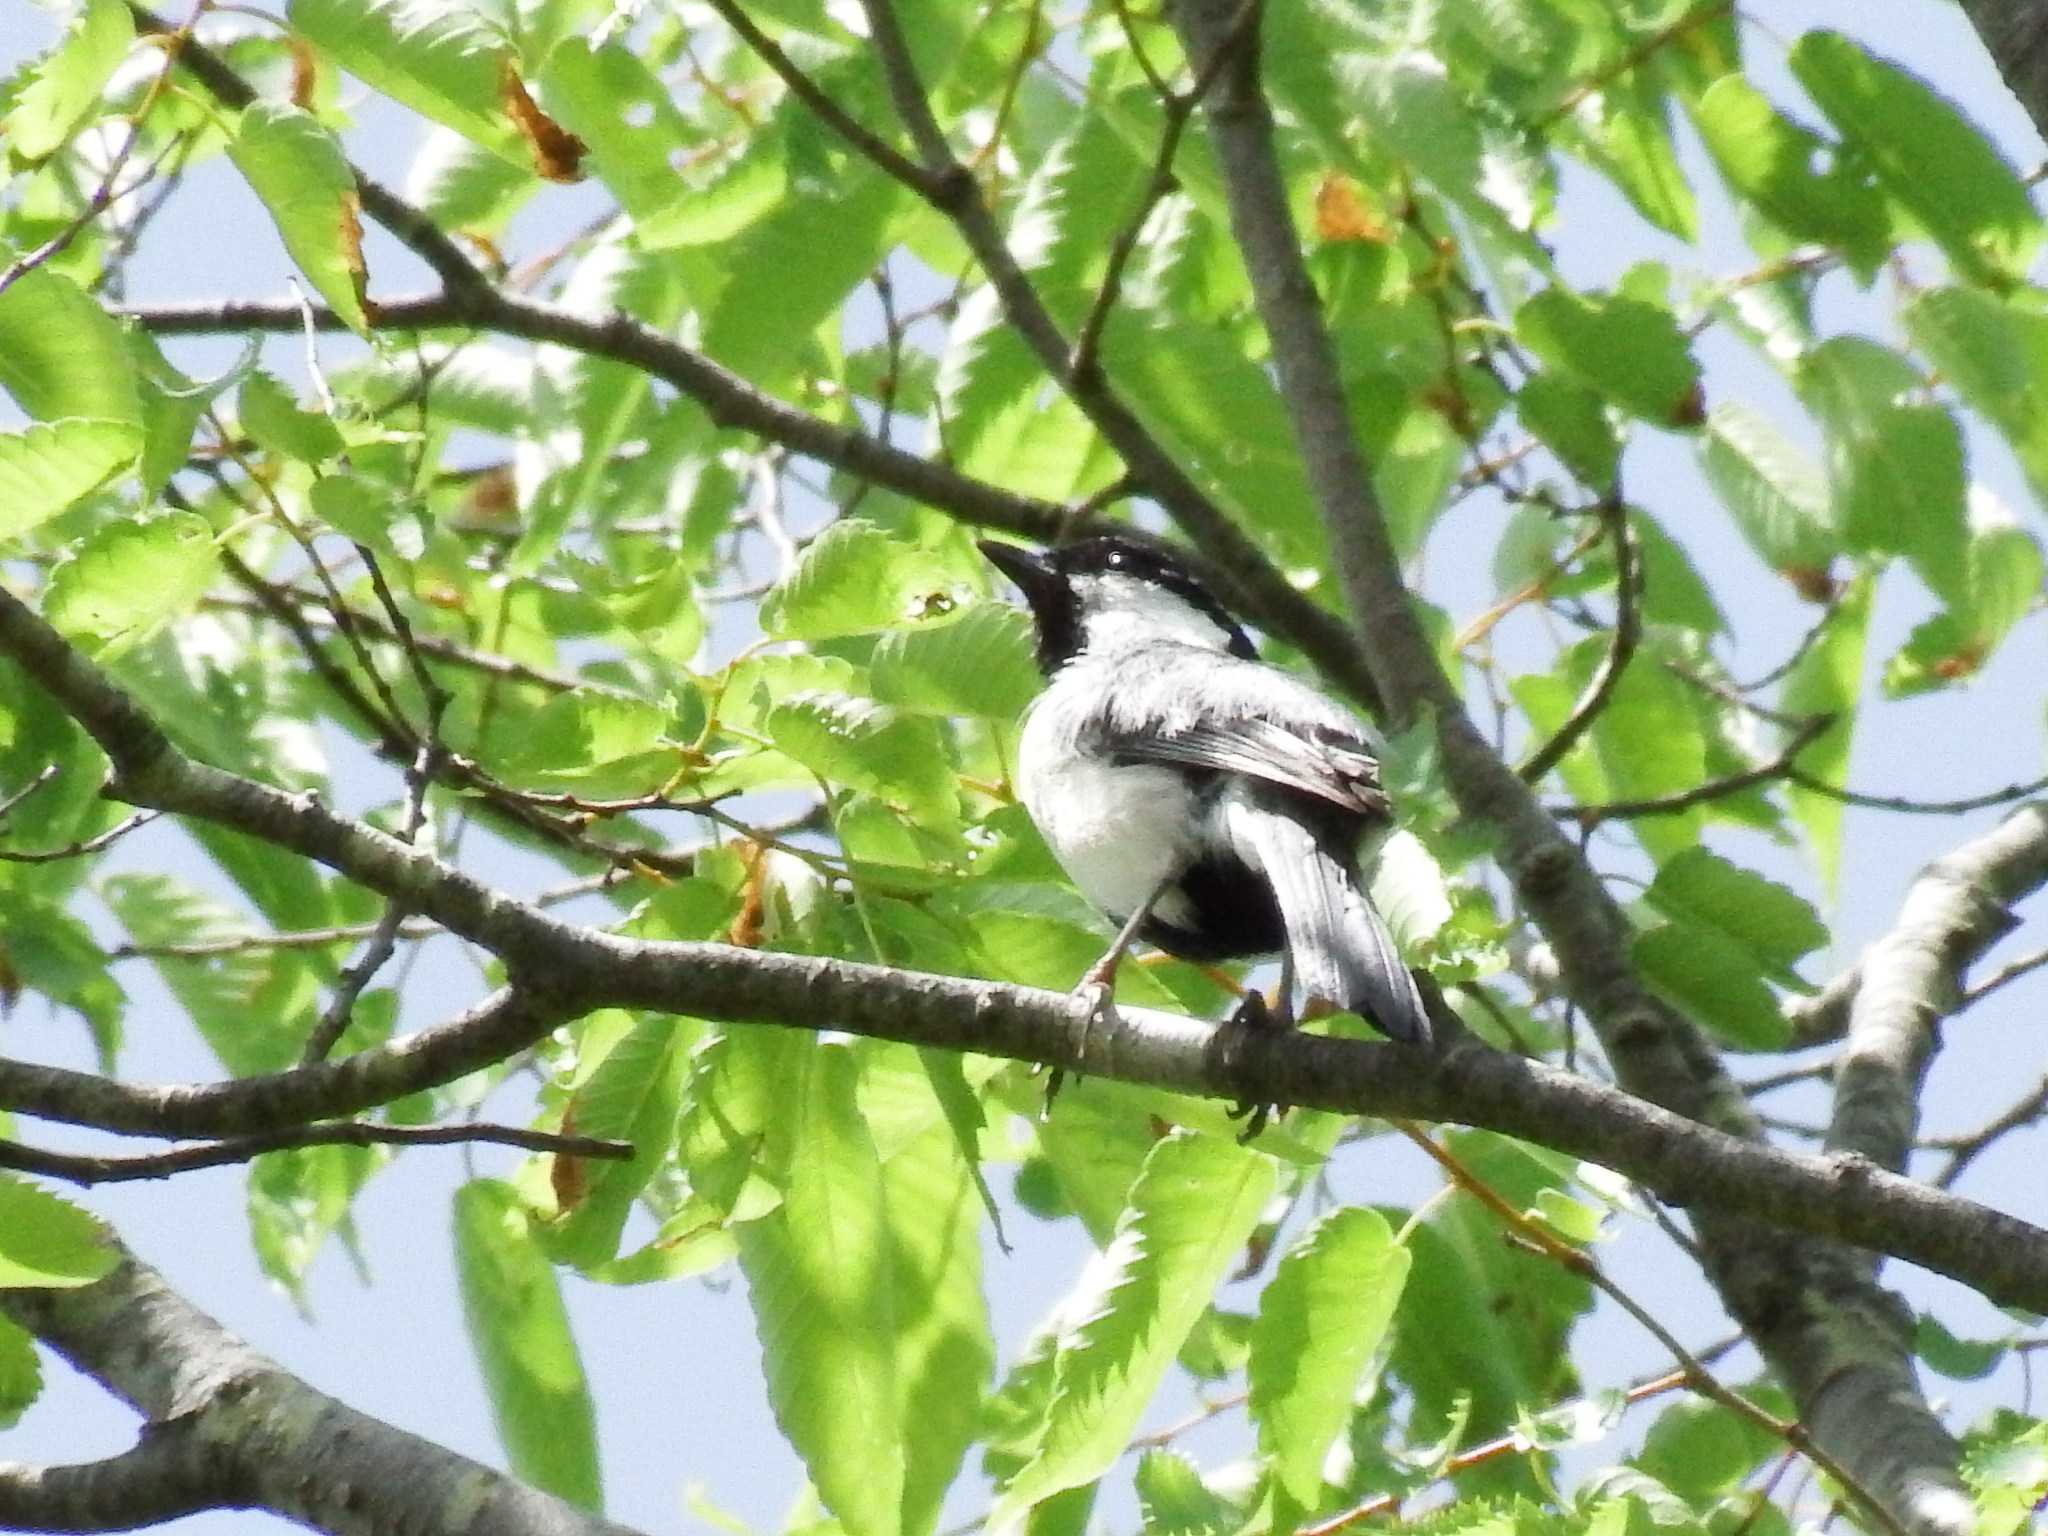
(1341, 949)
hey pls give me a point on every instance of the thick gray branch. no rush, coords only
(2015, 34)
(1827, 1330)
(227, 1427)
(1910, 979)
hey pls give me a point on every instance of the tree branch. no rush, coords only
(79, 1168)
(1793, 1298)
(2015, 34)
(230, 1428)
(1911, 979)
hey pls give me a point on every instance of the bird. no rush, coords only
(1206, 801)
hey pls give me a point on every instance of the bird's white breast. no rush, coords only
(1118, 830)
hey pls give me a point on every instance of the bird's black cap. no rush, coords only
(1046, 581)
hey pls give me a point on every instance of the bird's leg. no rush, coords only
(1098, 982)
(1253, 1012)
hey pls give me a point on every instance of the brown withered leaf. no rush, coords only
(352, 247)
(557, 153)
(1341, 213)
(1816, 584)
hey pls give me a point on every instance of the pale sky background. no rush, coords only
(675, 1369)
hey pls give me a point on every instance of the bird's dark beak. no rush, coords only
(1031, 573)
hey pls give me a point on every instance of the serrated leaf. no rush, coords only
(1770, 487)
(633, 1095)
(820, 1271)
(61, 354)
(1794, 178)
(130, 577)
(47, 1242)
(296, 167)
(982, 664)
(1714, 980)
(1175, 1502)
(1703, 889)
(1995, 355)
(21, 1374)
(853, 579)
(1194, 1204)
(520, 1332)
(382, 518)
(1570, 421)
(1895, 464)
(441, 61)
(615, 105)
(1321, 1319)
(266, 411)
(300, 1198)
(894, 756)
(1631, 352)
(64, 87)
(52, 464)
(1926, 153)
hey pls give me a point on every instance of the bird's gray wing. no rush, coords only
(1243, 718)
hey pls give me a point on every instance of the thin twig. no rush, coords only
(1966, 1149)
(43, 776)
(1607, 677)
(1910, 807)
(79, 1168)
(82, 848)
(1533, 1237)
(1590, 816)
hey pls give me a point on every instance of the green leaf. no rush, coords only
(64, 88)
(269, 414)
(1714, 980)
(1570, 421)
(1771, 163)
(982, 665)
(63, 355)
(2002, 584)
(130, 577)
(1774, 924)
(613, 102)
(1926, 154)
(1628, 136)
(1828, 680)
(1895, 465)
(632, 1095)
(382, 518)
(944, 1352)
(1701, 1450)
(1773, 491)
(46, 1242)
(520, 1332)
(54, 464)
(1995, 355)
(301, 1198)
(821, 1271)
(1175, 1502)
(895, 756)
(852, 579)
(21, 1374)
(298, 170)
(1958, 1359)
(1631, 352)
(441, 61)
(1194, 1204)
(1321, 1319)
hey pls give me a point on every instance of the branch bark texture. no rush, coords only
(228, 1428)
(1830, 1333)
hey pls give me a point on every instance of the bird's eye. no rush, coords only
(1116, 560)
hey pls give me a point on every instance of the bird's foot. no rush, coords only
(1255, 1013)
(1097, 986)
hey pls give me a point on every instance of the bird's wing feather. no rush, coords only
(1239, 717)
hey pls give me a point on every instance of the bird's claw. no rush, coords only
(1100, 995)
(1255, 1013)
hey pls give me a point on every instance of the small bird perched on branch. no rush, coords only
(1208, 802)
